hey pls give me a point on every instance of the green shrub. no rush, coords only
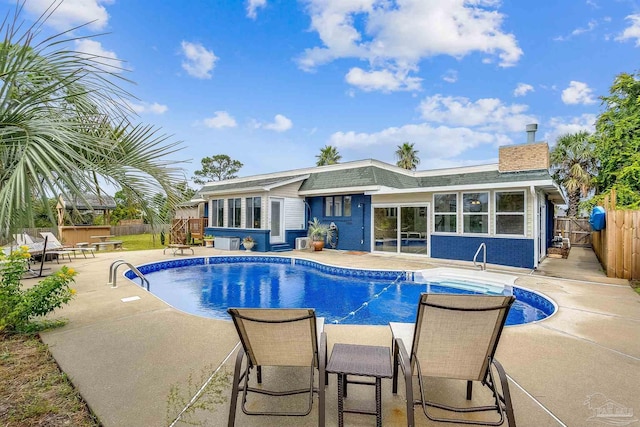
(19, 306)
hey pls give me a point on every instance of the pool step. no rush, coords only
(281, 247)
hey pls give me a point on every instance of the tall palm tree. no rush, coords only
(65, 127)
(574, 167)
(407, 156)
(328, 156)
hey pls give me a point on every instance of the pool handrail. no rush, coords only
(113, 273)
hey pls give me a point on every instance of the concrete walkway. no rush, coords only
(124, 357)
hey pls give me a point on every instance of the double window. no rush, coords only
(234, 213)
(337, 206)
(445, 208)
(510, 212)
(253, 212)
(217, 213)
(475, 213)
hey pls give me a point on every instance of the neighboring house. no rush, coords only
(380, 208)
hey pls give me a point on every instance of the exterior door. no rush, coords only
(276, 220)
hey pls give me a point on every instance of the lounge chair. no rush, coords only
(454, 337)
(57, 245)
(278, 338)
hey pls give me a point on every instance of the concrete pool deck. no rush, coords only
(124, 357)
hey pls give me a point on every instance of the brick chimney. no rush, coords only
(524, 157)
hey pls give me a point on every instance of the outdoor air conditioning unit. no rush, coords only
(303, 243)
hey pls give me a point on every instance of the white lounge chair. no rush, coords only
(55, 244)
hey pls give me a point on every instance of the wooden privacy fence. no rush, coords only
(578, 230)
(618, 245)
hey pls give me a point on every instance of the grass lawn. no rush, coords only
(140, 242)
(34, 391)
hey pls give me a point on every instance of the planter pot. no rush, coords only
(208, 243)
(248, 246)
(318, 244)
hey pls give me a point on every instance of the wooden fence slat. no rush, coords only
(635, 245)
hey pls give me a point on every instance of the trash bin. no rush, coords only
(228, 243)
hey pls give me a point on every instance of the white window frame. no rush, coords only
(217, 213)
(497, 214)
(454, 214)
(250, 212)
(486, 214)
(237, 205)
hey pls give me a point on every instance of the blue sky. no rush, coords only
(271, 82)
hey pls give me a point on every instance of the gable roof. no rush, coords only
(247, 184)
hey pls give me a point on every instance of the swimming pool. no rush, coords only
(208, 286)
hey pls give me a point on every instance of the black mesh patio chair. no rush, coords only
(454, 337)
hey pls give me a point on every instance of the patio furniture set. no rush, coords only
(454, 338)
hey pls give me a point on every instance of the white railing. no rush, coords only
(482, 247)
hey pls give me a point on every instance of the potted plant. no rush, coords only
(208, 240)
(248, 243)
(318, 231)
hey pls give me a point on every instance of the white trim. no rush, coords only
(487, 214)
(367, 190)
(466, 187)
(496, 214)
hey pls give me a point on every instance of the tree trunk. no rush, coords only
(574, 199)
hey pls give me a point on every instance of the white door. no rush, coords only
(276, 220)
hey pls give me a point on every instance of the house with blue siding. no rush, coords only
(377, 207)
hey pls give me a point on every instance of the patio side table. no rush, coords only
(363, 361)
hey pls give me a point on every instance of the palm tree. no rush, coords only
(328, 156)
(65, 127)
(574, 167)
(407, 156)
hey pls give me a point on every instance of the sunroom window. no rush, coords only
(253, 212)
(217, 213)
(510, 212)
(445, 208)
(234, 213)
(475, 213)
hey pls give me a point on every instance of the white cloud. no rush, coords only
(383, 80)
(199, 61)
(633, 31)
(145, 107)
(71, 13)
(591, 25)
(408, 31)
(578, 93)
(522, 89)
(436, 145)
(487, 114)
(561, 125)
(451, 76)
(253, 6)
(398, 35)
(280, 124)
(103, 58)
(220, 119)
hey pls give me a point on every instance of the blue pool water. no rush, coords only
(208, 286)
